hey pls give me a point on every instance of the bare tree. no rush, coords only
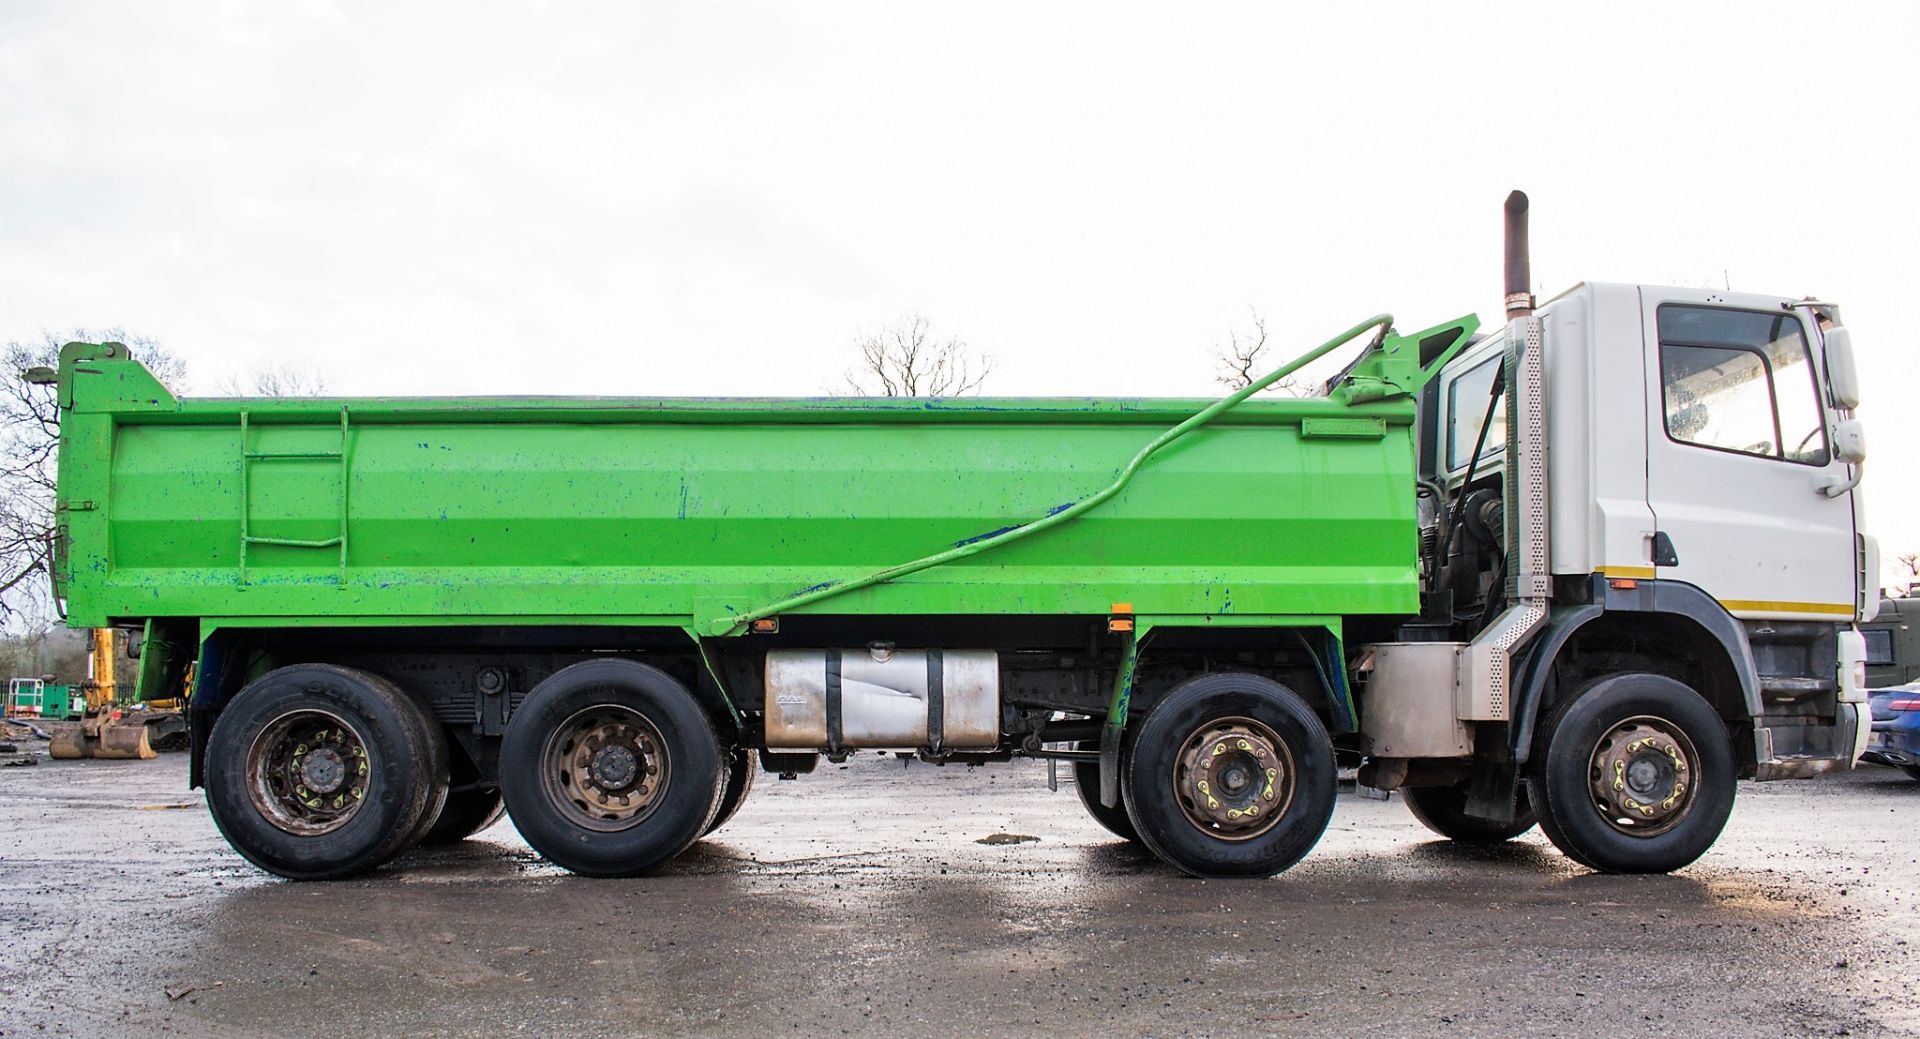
(29, 441)
(1910, 563)
(903, 359)
(1240, 357)
(276, 380)
(54, 653)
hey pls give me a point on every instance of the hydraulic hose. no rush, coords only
(738, 622)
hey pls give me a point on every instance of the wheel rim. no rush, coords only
(1234, 778)
(1642, 775)
(307, 772)
(605, 768)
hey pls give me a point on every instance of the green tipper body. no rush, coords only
(691, 513)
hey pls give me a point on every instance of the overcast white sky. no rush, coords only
(713, 199)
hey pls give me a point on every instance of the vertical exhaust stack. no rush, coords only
(1485, 666)
(1519, 264)
(1526, 476)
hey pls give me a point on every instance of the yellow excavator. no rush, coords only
(105, 731)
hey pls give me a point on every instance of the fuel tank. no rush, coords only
(880, 698)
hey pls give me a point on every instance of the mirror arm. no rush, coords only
(1835, 486)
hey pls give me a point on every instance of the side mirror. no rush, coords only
(1849, 441)
(1843, 378)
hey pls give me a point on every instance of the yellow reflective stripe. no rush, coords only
(1825, 609)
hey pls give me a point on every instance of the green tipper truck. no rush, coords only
(1513, 573)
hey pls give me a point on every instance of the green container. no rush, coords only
(62, 702)
(698, 514)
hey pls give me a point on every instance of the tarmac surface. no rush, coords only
(859, 901)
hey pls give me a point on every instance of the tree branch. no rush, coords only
(904, 359)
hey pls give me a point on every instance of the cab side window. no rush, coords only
(1741, 381)
(1467, 409)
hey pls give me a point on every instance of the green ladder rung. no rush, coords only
(255, 539)
(294, 454)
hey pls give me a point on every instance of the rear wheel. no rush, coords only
(317, 772)
(742, 763)
(1633, 773)
(1230, 776)
(610, 768)
(433, 741)
(466, 813)
(1086, 779)
(1443, 809)
(1911, 770)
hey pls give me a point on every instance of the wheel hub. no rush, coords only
(307, 773)
(323, 770)
(1642, 776)
(1234, 778)
(605, 767)
(614, 768)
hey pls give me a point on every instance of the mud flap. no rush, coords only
(1116, 726)
(1493, 792)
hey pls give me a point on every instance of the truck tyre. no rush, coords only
(433, 739)
(317, 772)
(742, 763)
(1633, 773)
(1443, 809)
(610, 768)
(466, 813)
(1230, 776)
(1086, 779)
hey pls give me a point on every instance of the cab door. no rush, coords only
(1739, 457)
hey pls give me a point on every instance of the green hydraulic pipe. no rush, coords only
(733, 625)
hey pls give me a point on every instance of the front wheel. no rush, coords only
(1231, 775)
(1443, 809)
(611, 768)
(1633, 773)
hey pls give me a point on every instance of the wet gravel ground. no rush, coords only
(858, 901)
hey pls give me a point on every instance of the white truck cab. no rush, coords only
(1692, 437)
(1644, 571)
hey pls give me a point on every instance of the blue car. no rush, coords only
(1896, 728)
